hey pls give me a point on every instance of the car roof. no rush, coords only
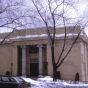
(8, 76)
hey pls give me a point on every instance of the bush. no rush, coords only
(7, 73)
(77, 77)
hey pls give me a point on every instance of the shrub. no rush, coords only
(7, 73)
(77, 77)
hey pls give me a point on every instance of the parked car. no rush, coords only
(13, 82)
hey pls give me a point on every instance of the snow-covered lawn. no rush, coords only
(47, 82)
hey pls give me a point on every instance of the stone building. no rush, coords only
(27, 52)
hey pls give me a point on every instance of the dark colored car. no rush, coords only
(12, 82)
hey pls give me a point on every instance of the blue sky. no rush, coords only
(81, 10)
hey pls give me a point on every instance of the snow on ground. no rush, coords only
(47, 82)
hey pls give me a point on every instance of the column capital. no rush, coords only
(23, 46)
(39, 45)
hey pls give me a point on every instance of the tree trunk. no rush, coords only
(53, 63)
(54, 73)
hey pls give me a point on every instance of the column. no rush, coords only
(23, 60)
(50, 67)
(40, 60)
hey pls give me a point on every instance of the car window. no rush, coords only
(19, 79)
(5, 79)
(12, 80)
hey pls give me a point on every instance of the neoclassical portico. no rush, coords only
(40, 59)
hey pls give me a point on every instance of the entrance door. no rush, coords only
(34, 69)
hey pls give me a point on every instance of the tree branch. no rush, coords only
(6, 37)
(69, 49)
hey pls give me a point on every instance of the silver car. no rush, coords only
(13, 82)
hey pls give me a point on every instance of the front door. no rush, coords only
(34, 69)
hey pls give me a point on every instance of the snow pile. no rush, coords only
(47, 82)
(45, 35)
(35, 84)
(46, 79)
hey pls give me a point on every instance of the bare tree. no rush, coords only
(11, 15)
(56, 13)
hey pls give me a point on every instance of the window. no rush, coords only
(33, 49)
(19, 79)
(34, 60)
(5, 79)
(12, 80)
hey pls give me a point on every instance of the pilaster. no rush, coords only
(23, 60)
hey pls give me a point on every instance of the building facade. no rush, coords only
(27, 52)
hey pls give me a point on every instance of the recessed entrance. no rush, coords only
(34, 69)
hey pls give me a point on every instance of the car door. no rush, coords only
(6, 83)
